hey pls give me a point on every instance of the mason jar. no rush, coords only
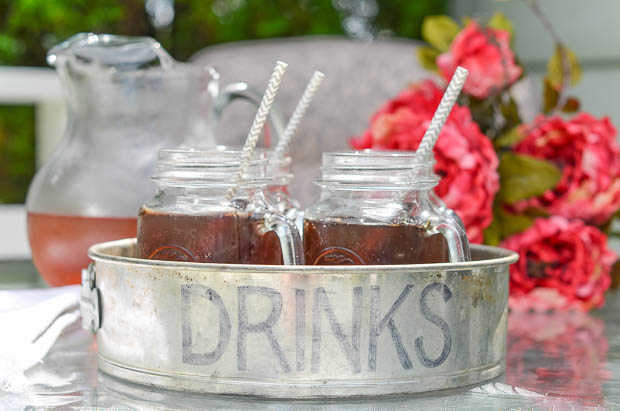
(279, 177)
(378, 208)
(195, 217)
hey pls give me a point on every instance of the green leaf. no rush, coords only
(505, 224)
(10, 48)
(439, 31)
(556, 71)
(509, 138)
(272, 28)
(501, 22)
(571, 105)
(514, 223)
(510, 110)
(535, 212)
(492, 234)
(524, 176)
(550, 96)
(428, 57)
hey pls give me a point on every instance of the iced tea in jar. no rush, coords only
(193, 217)
(377, 208)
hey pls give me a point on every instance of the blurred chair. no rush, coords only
(359, 78)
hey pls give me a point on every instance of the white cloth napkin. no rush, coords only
(30, 322)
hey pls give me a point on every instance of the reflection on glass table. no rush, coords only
(562, 354)
(556, 360)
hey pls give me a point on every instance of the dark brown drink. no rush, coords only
(222, 238)
(336, 243)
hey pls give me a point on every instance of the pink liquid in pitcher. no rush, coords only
(59, 243)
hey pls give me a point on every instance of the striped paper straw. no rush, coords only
(443, 111)
(259, 122)
(299, 112)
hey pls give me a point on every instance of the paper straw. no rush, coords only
(298, 114)
(443, 111)
(259, 122)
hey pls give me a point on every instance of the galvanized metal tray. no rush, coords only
(297, 332)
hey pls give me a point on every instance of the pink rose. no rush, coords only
(562, 264)
(586, 151)
(486, 53)
(465, 157)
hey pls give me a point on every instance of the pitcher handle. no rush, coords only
(244, 91)
(290, 240)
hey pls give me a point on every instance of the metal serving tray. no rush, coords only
(297, 331)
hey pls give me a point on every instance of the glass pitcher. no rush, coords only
(126, 99)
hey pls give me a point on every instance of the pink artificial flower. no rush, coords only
(586, 151)
(563, 264)
(465, 157)
(486, 53)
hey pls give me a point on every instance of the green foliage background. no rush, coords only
(16, 152)
(28, 28)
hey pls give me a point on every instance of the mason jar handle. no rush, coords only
(290, 240)
(458, 245)
(244, 91)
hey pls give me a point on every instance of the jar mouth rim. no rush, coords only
(383, 160)
(377, 170)
(223, 162)
(377, 185)
(272, 156)
(191, 167)
(206, 157)
(205, 183)
(372, 151)
(375, 153)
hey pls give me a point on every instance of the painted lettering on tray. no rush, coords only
(200, 291)
(264, 327)
(300, 328)
(425, 309)
(324, 318)
(351, 350)
(377, 327)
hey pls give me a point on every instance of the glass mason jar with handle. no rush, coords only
(376, 208)
(192, 217)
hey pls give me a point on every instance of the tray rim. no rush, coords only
(102, 252)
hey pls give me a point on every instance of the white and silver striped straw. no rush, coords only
(448, 100)
(258, 123)
(298, 114)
